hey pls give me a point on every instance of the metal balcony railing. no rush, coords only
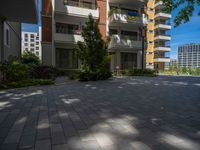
(81, 4)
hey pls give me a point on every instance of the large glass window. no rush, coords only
(128, 61)
(66, 59)
(67, 28)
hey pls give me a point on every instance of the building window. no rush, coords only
(37, 43)
(26, 35)
(37, 38)
(37, 53)
(25, 44)
(32, 49)
(37, 48)
(32, 40)
(6, 35)
(32, 35)
(112, 31)
(32, 45)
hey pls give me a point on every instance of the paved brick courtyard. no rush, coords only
(161, 113)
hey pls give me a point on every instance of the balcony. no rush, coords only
(162, 59)
(19, 10)
(124, 42)
(77, 9)
(162, 48)
(162, 37)
(163, 15)
(158, 4)
(130, 3)
(125, 18)
(163, 26)
(67, 38)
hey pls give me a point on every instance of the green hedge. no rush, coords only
(140, 72)
(101, 74)
(25, 83)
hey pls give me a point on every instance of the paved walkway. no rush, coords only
(138, 113)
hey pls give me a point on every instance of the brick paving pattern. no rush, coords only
(139, 113)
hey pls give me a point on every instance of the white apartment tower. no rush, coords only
(31, 41)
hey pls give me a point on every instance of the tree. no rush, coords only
(186, 12)
(93, 51)
(93, 54)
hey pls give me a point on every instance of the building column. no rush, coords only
(118, 59)
(139, 59)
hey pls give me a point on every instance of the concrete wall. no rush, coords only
(1, 32)
(47, 53)
(14, 47)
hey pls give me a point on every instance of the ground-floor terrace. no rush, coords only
(66, 58)
(137, 113)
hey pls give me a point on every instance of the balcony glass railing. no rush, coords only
(163, 23)
(127, 37)
(160, 45)
(86, 4)
(164, 57)
(161, 34)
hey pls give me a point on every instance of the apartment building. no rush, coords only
(189, 55)
(125, 19)
(157, 36)
(31, 41)
(63, 20)
(12, 13)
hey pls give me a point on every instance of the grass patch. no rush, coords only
(25, 83)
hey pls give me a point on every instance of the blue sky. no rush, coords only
(33, 27)
(185, 33)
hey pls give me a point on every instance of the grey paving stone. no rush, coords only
(122, 113)
(29, 130)
(27, 142)
(75, 143)
(12, 137)
(3, 116)
(43, 144)
(69, 130)
(91, 145)
(43, 134)
(58, 138)
(9, 146)
(4, 132)
(60, 147)
(86, 135)
(1, 141)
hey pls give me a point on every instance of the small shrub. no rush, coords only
(44, 72)
(30, 58)
(74, 75)
(14, 70)
(101, 74)
(140, 72)
(60, 72)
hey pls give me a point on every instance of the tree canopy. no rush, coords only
(186, 11)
